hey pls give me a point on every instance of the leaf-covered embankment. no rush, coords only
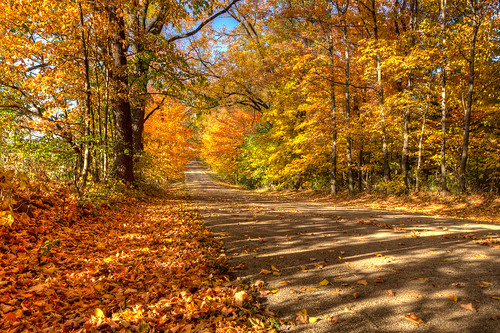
(137, 264)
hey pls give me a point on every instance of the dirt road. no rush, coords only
(386, 271)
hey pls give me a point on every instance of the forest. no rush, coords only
(342, 96)
(100, 98)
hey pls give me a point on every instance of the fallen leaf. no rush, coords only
(302, 317)
(285, 282)
(274, 268)
(311, 289)
(378, 280)
(241, 297)
(453, 298)
(325, 282)
(355, 295)
(390, 293)
(98, 313)
(495, 297)
(415, 295)
(313, 319)
(332, 320)
(362, 282)
(346, 309)
(468, 307)
(265, 271)
(414, 319)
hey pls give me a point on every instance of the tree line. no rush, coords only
(391, 95)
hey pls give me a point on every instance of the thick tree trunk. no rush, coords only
(140, 87)
(468, 109)
(123, 147)
(444, 187)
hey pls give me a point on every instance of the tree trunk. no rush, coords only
(123, 147)
(406, 115)
(350, 180)
(421, 138)
(333, 171)
(468, 109)
(140, 84)
(88, 104)
(380, 91)
(444, 187)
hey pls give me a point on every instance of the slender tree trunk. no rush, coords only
(470, 91)
(406, 115)
(350, 180)
(380, 91)
(333, 171)
(105, 134)
(88, 104)
(421, 138)
(360, 170)
(444, 187)
(123, 147)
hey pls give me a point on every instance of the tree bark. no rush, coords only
(468, 110)
(333, 170)
(88, 103)
(380, 91)
(350, 180)
(444, 187)
(123, 146)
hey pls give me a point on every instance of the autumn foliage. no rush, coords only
(168, 143)
(128, 263)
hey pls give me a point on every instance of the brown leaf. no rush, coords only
(468, 307)
(362, 282)
(378, 280)
(332, 320)
(302, 317)
(390, 293)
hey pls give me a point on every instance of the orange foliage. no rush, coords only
(166, 141)
(223, 134)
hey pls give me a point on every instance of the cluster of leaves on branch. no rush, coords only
(365, 94)
(127, 264)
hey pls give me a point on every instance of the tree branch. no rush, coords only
(204, 23)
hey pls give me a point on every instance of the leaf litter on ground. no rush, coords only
(138, 264)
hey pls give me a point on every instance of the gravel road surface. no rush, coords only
(386, 271)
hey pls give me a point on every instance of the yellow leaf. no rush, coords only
(274, 268)
(496, 297)
(312, 289)
(313, 319)
(265, 271)
(98, 313)
(324, 282)
(362, 282)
